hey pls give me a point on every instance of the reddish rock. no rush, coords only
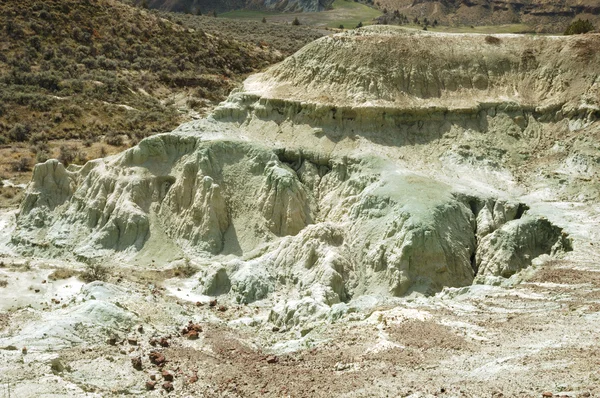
(137, 363)
(191, 331)
(167, 386)
(164, 342)
(157, 358)
(547, 394)
(199, 304)
(150, 385)
(213, 303)
(272, 359)
(222, 308)
(193, 379)
(168, 376)
(153, 342)
(152, 377)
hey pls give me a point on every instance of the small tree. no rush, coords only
(264, 20)
(341, 27)
(296, 21)
(579, 27)
(360, 25)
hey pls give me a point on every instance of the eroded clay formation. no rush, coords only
(316, 177)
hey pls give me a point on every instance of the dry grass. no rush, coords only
(62, 273)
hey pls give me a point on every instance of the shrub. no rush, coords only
(39, 143)
(94, 272)
(114, 139)
(69, 154)
(296, 21)
(62, 273)
(19, 132)
(579, 27)
(492, 40)
(42, 156)
(21, 165)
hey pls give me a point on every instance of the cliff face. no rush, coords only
(206, 6)
(542, 15)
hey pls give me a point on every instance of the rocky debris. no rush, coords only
(150, 385)
(212, 303)
(157, 358)
(193, 378)
(24, 350)
(136, 363)
(168, 376)
(191, 331)
(132, 341)
(163, 341)
(547, 394)
(272, 359)
(57, 366)
(140, 329)
(222, 308)
(167, 386)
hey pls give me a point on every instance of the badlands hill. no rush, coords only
(343, 145)
(384, 211)
(539, 15)
(206, 6)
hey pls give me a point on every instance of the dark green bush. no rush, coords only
(19, 133)
(579, 26)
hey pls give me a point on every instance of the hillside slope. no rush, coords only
(540, 15)
(75, 70)
(206, 6)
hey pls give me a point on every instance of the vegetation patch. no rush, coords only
(90, 69)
